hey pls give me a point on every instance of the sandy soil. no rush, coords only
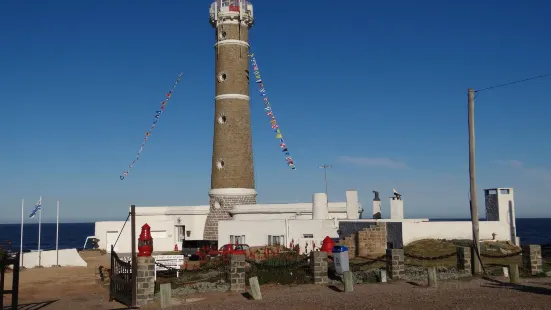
(64, 287)
(474, 294)
(77, 288)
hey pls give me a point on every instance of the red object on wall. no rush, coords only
(145, 241)
(234, 8)
(176, 247)
(327, 245)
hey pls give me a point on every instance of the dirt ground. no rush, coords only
(64, 287)
(77, 288)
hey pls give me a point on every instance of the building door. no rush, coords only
(180, 233)
(110, 239)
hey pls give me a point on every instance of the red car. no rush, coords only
(228, 249)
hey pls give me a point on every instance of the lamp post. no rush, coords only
(324, 167)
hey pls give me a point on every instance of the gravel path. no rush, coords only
(474, 294)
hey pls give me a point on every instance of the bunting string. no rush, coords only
(270, 114)
(155, 121)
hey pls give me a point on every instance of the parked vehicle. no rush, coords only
(229, 249)
(191, 247)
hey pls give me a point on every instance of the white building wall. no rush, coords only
(288, 211)
(163, 222)
(413, 231)
(284, 215)
(256, 232)
(65, 258)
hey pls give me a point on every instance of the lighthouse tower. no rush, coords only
(232, 178)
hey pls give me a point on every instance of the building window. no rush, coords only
(504, 191)
(223, 34)
(237, 239)
(158, 234)
(222, 119)
(247, 74)
(222, 77)
(276, 240)
(308, 236)
(220, 164)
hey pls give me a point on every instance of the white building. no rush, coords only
(251, 224)
(302, 223)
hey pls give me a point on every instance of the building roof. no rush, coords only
(173, 210)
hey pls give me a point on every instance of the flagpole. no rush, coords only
(57, 236)
(39, 231)
(21, 242)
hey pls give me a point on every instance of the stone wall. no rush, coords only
(366, 239)
(222, 212)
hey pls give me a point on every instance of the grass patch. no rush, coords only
(434, 248)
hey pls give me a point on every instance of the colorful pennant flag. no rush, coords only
(148, 133)
(270, 114)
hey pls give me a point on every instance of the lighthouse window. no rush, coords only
(220, 164)
(222, 119)
(222, 77)
(247, 74)
(223, 35)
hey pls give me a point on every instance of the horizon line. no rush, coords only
(116, 220)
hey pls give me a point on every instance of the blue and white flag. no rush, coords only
(36, 208)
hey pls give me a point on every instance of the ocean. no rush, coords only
(73, 235)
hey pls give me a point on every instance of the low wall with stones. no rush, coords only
(369, 239)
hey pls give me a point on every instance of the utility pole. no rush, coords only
(477, 267)
(324, 167)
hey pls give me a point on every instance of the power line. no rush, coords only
(515, 82)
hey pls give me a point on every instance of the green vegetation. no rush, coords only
(443, 254)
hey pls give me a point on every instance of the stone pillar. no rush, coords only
(464, 259)
(531, 258)
(318, 262)
(237, 273)
(145, 281)
(395, 263)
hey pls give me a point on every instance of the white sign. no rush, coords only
(171, 261)
(168, 257)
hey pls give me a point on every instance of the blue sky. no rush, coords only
(376, 89)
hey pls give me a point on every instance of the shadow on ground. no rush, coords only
(334, 288)
(519, 287)
(32, 306)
